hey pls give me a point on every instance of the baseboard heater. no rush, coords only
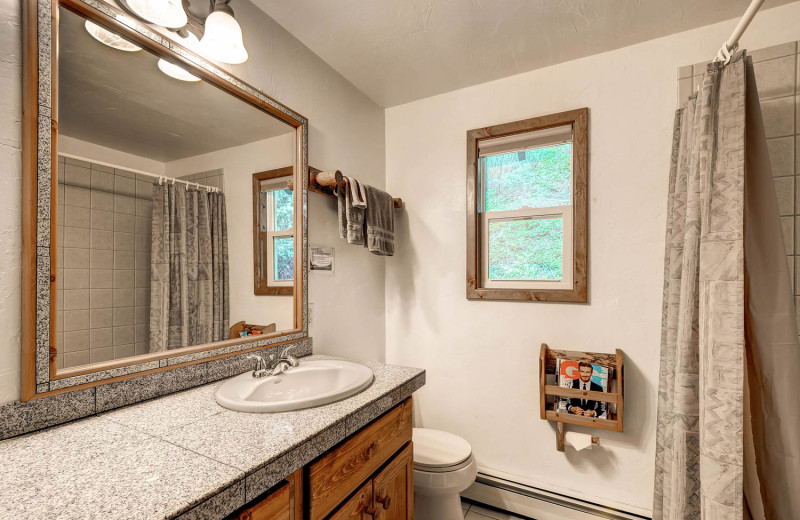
(538, 503)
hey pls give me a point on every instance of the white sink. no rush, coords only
(313, 383)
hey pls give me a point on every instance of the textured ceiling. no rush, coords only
(398, 51)
(122, 101)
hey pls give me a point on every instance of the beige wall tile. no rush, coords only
(74, 196)
(74, 359)
(76, 320)
(102, 180)
(781, 155)
(123, 242)
(778, 116)
(76, 299)
(102, 239)
(76, 340)
(101, 259)
(775, 78)
(124, 298)
(123, 351)
(76, 279)
(101, 318)
(102, 220)
(101, 337)
(124, 260)
(124, 204)
(101, 279)
(124, 223)
(102, 201)
(143, 243)
(75, 258)
(123, 335)
(75, 216)
(77, 176)
(123, 316)
(142, 348)
(123, 279)
(142, 297)
(776, 51)
(101, 298)
(76, 237)
(101, 354)
(787, 225)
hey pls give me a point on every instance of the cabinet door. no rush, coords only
(393, 488)
(359, 507)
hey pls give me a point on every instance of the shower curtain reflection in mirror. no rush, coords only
(189, 291)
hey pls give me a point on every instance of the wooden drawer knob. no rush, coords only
(384, 501)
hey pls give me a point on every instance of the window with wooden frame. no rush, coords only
(527, 209)
(273, 232)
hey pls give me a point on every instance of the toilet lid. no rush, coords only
(435, 448)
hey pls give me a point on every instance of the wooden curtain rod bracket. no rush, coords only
(333, 178)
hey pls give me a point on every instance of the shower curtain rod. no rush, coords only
(173, 180)
(732, 43)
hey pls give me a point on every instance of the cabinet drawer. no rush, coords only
(341, 471)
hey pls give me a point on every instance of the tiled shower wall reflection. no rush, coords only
(103, 269)
(778, 78)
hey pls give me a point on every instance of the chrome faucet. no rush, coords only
(270, 367)
(263, 366)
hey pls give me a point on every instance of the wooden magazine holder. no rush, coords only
(547, 365)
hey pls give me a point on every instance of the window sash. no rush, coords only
(564, 213)
(270, 234)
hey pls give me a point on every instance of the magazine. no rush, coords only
(582, 375)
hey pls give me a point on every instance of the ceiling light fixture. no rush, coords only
(222, 38)
(109, 38)
(166, 13)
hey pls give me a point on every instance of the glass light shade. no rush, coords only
(167, 13)
(176, 71)
(109, 38)
(222, 40)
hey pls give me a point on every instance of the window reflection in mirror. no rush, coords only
(273, 232)
(154, 224)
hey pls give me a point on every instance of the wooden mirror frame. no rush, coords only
(261, 286)
(39, 163)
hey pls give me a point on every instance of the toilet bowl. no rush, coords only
(443, 468)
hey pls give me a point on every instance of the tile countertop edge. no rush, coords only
(272, 472)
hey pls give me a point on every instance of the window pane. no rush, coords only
(537, 178)
(284, 209)
(526, 249)
(283, 249)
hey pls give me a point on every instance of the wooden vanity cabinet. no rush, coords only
(369, 476)
(389, 495)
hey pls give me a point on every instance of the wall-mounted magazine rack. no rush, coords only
(549, 394)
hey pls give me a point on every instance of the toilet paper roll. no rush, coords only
(579, 441)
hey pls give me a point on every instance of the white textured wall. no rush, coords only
(482, 357)
(239, 164)
(10, 195)
(346, 132)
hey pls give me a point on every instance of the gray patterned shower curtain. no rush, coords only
(189, 288)
(724, 449)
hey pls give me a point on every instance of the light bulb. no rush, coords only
(167, 13)
(109, 38)
(222, 40)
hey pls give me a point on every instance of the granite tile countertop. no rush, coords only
(179, 456)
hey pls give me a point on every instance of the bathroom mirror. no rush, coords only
(150, 251)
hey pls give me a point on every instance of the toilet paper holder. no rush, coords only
(549, 394)
(561, 433)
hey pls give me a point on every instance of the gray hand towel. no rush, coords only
(380, 221)
(351, 217)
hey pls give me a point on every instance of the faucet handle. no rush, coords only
(285, 356)
(261, 364)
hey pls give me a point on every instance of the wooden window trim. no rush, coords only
(578, 294)
(261, 286)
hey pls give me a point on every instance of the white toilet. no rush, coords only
(443, 468)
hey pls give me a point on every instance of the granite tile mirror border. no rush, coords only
(38, 376)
